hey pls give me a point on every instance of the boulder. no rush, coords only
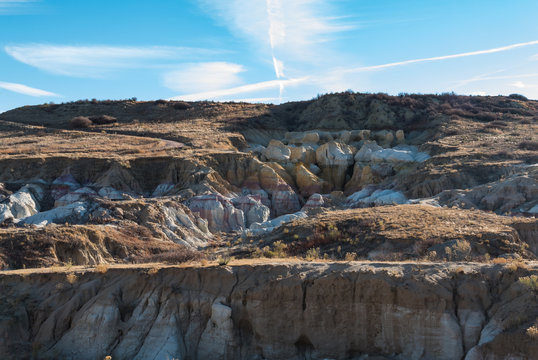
(277, 151)
(400, 136)
(365, 152)
(304, 154)
(314, 169)
(310, 137)
(309, 183)
(315, 201)
(384, 137)
(268, 226)
(22, 203)
(371, 152)
(82, 194)
(284, 200)
(253, 208)
(219, 212)
(110, 193)
(334, 158)
(75, 213)
(367, 197)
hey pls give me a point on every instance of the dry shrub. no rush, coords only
(351, 256)
(80, 122)
(528, 145)
(181, 105)
(499, 261)
(224, 260)
(322, 235)
(530, 282)
(532, 332)
(154, 270)
(103, 119)
(101, 268)
(71, 278)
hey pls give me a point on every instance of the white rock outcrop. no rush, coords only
(371, 152)
(334, 158)
(73, 213)
(82, 194)
(367, 197)
(277, 151)
(268, 226)
(22, 203)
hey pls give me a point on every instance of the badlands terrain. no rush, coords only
(350, 226)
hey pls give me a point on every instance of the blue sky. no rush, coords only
(263, 50)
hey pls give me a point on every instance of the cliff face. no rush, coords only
(271, 311)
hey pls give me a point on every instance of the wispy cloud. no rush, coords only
(208, 76)
(25, 90)
(97, 60)
(499, 77)
(8, 7)
(445, 57)
(244, 89)
(521, 85)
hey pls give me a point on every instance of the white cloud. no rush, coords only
(201, 77)
(96, 60)
(478, 93)
(25, 90)
(250, 88)
(521, 85)
(283, 31)
(292, 27)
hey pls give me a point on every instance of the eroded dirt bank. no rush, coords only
(281, 310)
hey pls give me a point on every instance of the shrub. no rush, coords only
(80, 122)
(103, 119)
(312, 254)
(224, 260)
(71, 278)
(181, 105)
(518, 97)
(351, 256)
(101, 268)
(530, 281)
(529, 145)
(533, 332)
(160, 102)
(279, 250)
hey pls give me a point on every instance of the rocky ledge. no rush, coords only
(279, 310)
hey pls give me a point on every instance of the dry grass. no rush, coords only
(405, 229)
(101, 268)
(71, 278)
(532, 332)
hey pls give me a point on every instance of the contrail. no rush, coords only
(437, 58)
(276, 30)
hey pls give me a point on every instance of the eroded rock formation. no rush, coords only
(280, 311)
